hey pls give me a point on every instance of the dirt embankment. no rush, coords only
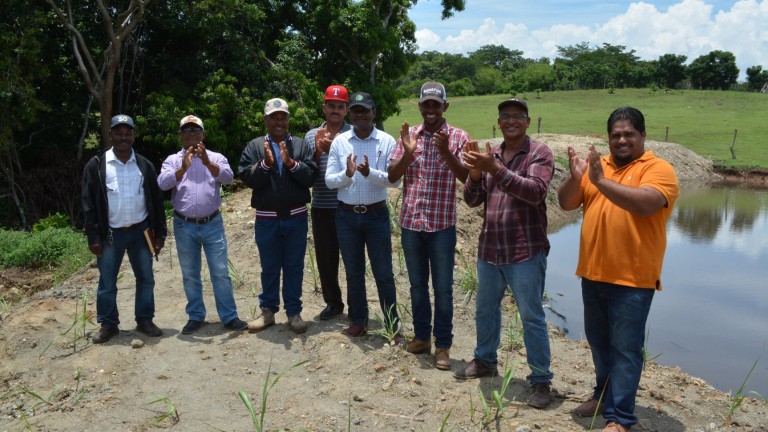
(361, 384)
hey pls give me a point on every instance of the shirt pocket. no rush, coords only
(113, 188)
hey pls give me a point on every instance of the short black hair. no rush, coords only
(632, 115)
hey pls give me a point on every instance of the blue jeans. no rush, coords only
(358, 232)
(526, 281)
(282, 244)
(131, 241)
(614, 322)
(190, 237)
(435, 251)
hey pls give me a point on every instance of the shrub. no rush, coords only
(56, 220)
(48, 247)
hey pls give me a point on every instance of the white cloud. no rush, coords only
(687, 28)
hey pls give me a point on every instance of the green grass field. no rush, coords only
(703, 121)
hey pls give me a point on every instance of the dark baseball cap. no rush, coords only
(516, 102)
(432, 91)
(121, 119)
(362, 99)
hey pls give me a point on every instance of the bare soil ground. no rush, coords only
(53, 379)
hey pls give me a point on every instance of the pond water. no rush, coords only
(711, 318)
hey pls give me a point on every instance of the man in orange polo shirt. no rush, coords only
(627, 199)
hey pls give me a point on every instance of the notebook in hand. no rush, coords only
(149, 235)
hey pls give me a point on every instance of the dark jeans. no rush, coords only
(614, 322)
(327, 254)
(358, 232)
(133, 242)
(282, 244)
(431, 253)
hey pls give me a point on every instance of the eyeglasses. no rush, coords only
(191, 130)
(518, 116)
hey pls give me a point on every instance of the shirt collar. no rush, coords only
(648, 155)
(421, 130)
(524, 149)
(373, 135)
(288, 138)
(109, 156)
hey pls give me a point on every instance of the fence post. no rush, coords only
(666, 135)
(494, 131)
(733, 144)
(538, 127)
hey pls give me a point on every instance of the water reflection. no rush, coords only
(711, 319)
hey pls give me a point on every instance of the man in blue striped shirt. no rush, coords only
(324, 199)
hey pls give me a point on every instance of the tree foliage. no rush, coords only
(69, 64)
(669, 70)
(714, 71)
(757, 78)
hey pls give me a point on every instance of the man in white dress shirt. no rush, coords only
(357, 167)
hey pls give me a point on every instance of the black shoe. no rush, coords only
(192, 326)
(149, 328)
(106, 332)
(331, 311)
(236, 324)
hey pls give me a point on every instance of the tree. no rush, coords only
(757, 78)
(714, 71)
(603, 67)
(496, 56)
(20, 71)
(669, 70)
(489, 80)
(535, 76)
(367, 44)
(99, 78)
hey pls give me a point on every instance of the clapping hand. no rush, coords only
(285, 155)
(322, 140)
(269, 158)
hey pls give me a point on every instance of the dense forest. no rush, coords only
(66, 64)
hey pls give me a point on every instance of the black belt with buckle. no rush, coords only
(362, 208)
(129, 227)
(204, 220)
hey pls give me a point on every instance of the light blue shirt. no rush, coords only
(358, 189)
(125, 191)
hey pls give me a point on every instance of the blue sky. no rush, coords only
(652, 28)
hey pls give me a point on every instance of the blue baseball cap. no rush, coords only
(121, 119)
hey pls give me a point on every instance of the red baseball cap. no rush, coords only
(337, 93)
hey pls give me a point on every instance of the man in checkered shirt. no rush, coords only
(427, 156)
(511, 181)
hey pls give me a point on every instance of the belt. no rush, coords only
(362, 208)
(204, 220)
(129, 227)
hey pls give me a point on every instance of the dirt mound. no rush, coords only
(54, 379)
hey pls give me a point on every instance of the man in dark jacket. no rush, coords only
(121, 200)
(280, 168)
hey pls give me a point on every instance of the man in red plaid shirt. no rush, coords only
(428, 156)
(511, 182)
